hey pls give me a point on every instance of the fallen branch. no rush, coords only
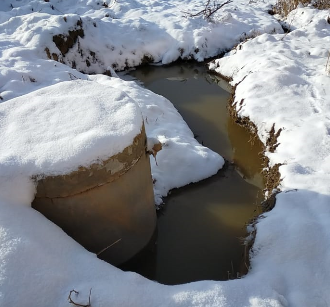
(80, 305)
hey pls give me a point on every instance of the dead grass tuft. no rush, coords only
(284, 7)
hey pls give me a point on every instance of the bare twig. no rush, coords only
(209, 9)
(80, 305)
(104, 249)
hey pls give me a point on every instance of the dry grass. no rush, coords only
(284, 7)
(322, 4)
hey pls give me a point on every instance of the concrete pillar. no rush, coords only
(111, 201)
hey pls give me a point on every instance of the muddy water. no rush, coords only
(200, 226)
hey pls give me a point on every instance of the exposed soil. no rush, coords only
(65, 42)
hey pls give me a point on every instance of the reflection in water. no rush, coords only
(200, 225)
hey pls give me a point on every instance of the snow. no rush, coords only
(47, 132)
(286, 83)
(145, 29)
(181, 153)
(283, 81)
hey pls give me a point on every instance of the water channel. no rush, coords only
(200, 225)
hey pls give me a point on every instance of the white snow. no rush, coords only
(282, 79)
(47, 132)
(285, 83)
(182, 159)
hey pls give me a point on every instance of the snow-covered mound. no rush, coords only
(59, 128)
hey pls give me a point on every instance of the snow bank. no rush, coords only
(282, 80)
(286, 84)
(40, 265)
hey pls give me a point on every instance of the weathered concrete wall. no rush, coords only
(106, 202)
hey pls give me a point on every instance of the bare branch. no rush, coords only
(209, 9)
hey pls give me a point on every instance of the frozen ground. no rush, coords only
(286, 83)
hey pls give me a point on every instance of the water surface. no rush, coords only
(200, 225)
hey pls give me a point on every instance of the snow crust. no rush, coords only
(285, 83)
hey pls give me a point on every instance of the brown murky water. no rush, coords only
(200, 226)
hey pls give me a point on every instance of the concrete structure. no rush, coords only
(111, 201)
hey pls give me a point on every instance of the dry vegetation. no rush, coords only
(284, 7)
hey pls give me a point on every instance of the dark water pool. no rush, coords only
(200, 225)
